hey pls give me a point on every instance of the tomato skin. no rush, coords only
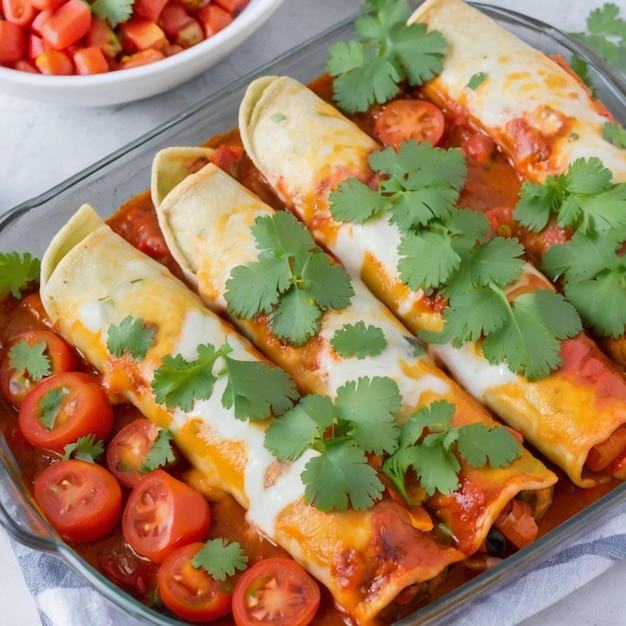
(12, 42)
(16, 384)
(191, 592)
(162, 514)
(277, 582)
(409, 118)
(20, 12)
(84, 410)
(67, 24)
(81, 500)
(128, 450)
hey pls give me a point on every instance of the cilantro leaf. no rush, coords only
(257, 390)
(293, 280)
(583, 199)
(17, 272)
(385, 53)
(429, 445)
(358, 340)
(177, 382)
(161, 452)
(370, 405)
(131, 335)
(86, 448)
(50, 405)
(288, 436)
(113, 11)
(33, 360)
(606, 34)
(220, 558)
(341, 477)
(615, 134)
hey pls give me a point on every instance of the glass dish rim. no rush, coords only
(447, 605)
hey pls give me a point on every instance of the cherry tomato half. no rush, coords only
(406, 119)
(81, 500)
(189, 591)
(163, 514)
(275, 591)
(129, 448)
(64, 407)
(16, 379)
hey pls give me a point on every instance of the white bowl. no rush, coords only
(139, 82)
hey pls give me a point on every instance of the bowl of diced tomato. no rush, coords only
(103, 52)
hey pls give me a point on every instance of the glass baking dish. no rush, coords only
(119, 177)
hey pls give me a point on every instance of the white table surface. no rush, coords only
(42, 145)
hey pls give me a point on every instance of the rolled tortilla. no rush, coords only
(91, 279)
(206, 221)
(541, 115)
(283, 125)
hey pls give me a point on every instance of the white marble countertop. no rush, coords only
(42, 145)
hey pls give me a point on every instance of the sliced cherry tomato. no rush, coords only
(81, 500)
(275, 591)
(67, 24)
(129, 448)
(163, 514)
(64, 407)
(12, 42)
(16, 379)
(191, 592)
(406, 119)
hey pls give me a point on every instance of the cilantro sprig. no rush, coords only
(160, 454)
(606, 34)
(86, 448)
(255, 389)
(590, 267)
(17, 272)
(358, 340)
(32, 360)
(293, 281)
(429, 445)
(450, 250)
(362, 421)
(385, 53)
(131, 336)
(220, 558)
(113, 11)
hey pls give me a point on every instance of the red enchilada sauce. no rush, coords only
(492, 187)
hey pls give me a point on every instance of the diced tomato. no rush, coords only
(139, 34)
(36, 46)
(602, 454)
(618, 467)
(55, 63)
(101, 34)
(190, 591)
(149, 9)
(25, 65)
(173, 18)
(12, 42)
(40, 19)
(479, 147)
(81, 500)
(20, 12)
(90, 60)
(409, 118)
(47, 5)
(233, 6)
(190, 34)
(275, 591)
(518, 524)
(67, 24)
(143, 57)
(213, 19)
